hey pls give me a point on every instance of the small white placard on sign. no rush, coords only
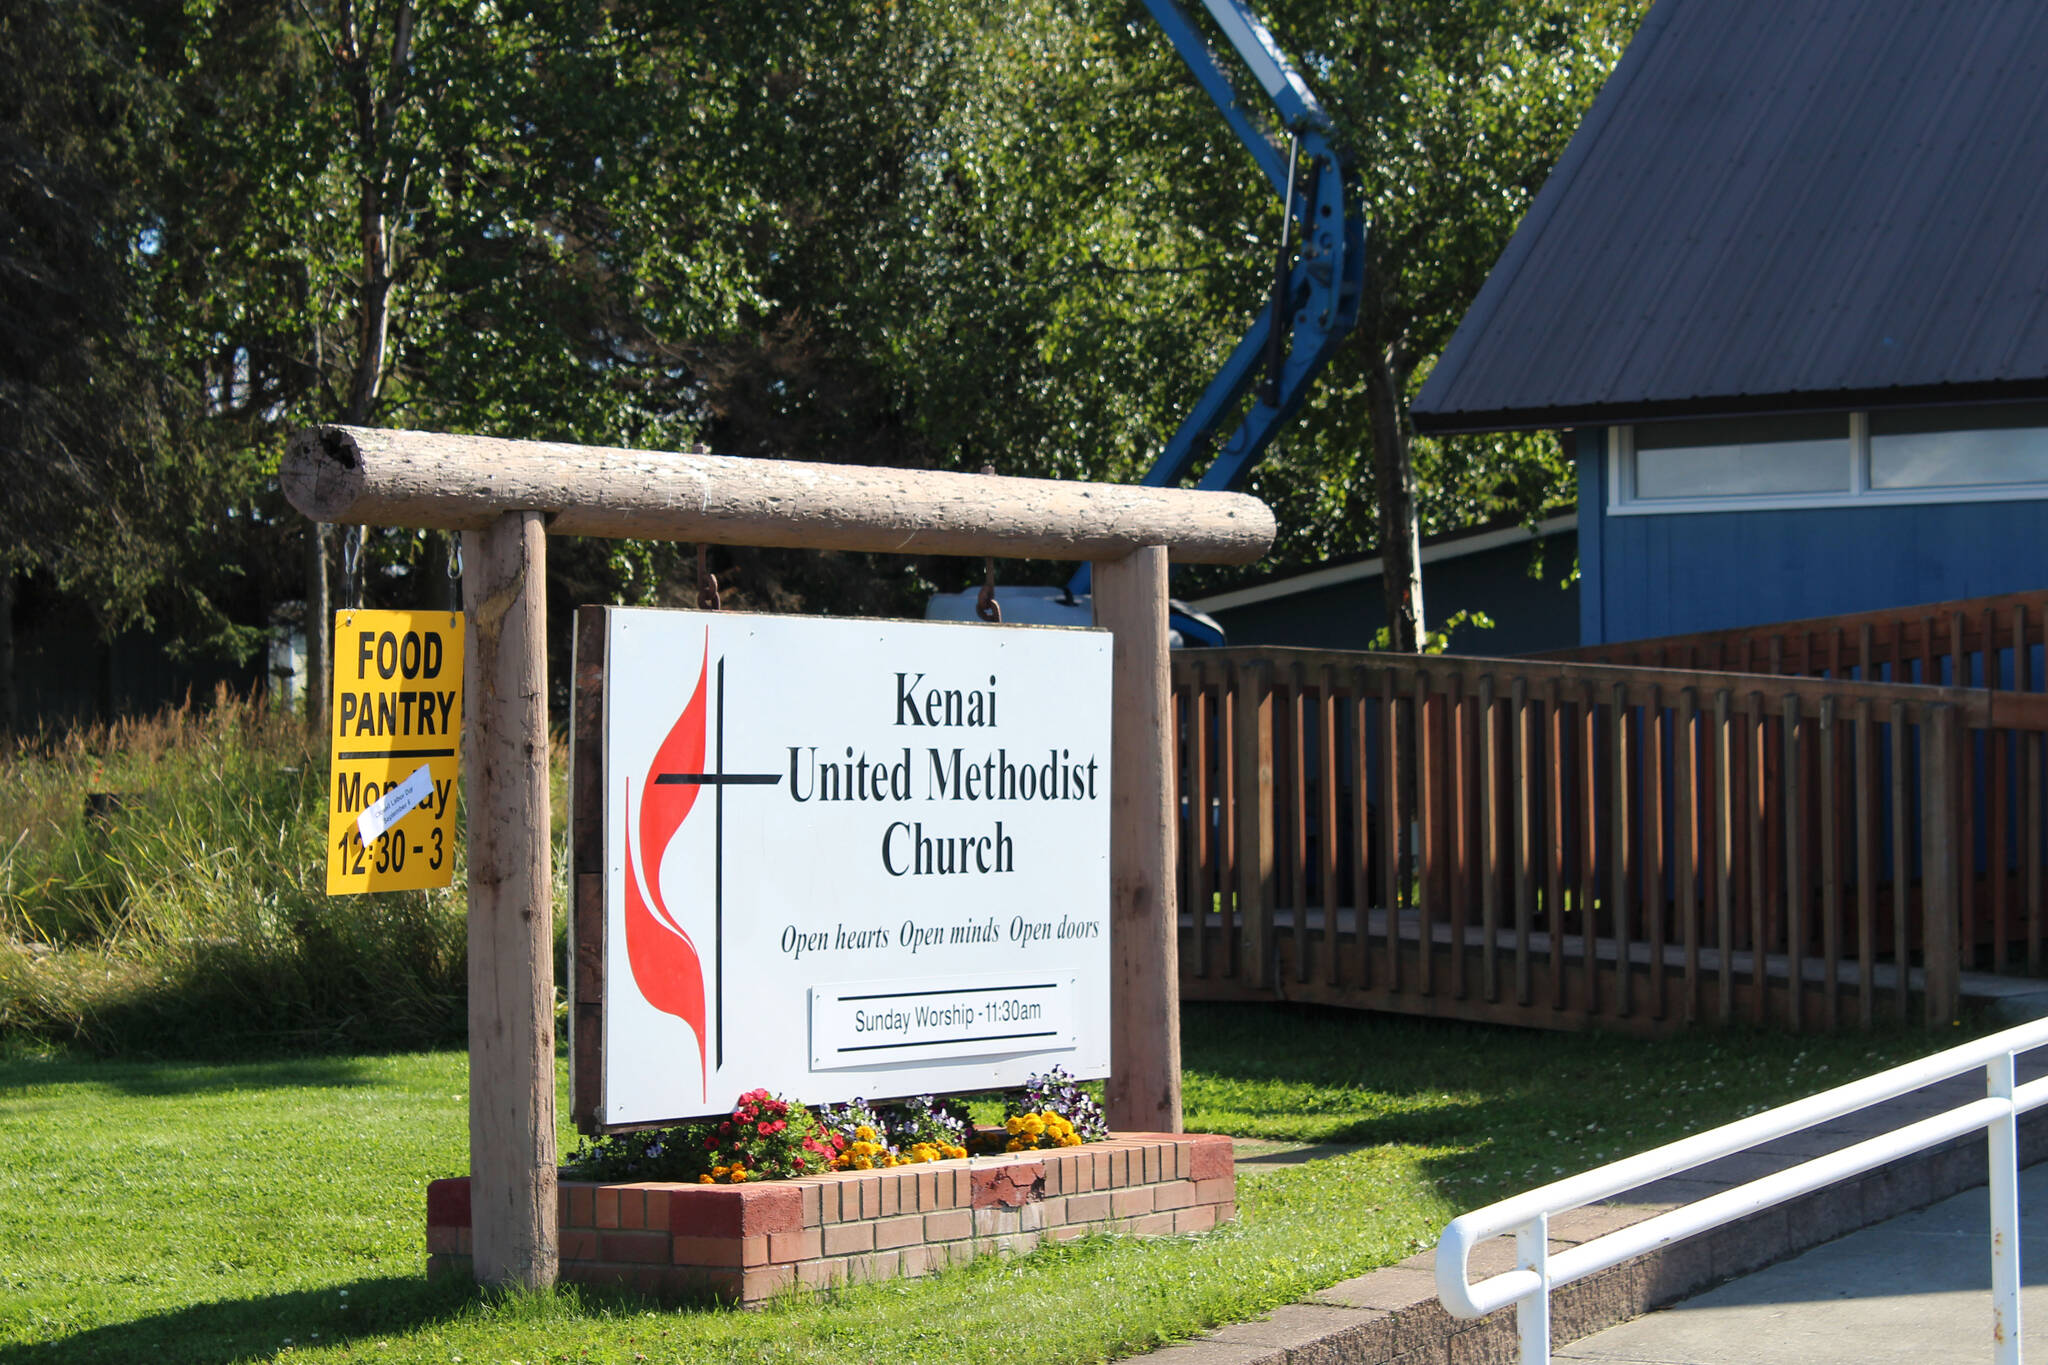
(800, 813)
(864, 1022)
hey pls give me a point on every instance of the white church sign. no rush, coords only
(838, 858)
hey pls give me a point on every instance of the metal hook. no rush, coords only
(352, 565)
(707, 584)
(455, 557)
(986, 606)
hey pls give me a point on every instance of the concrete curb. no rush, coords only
(1392, 1317)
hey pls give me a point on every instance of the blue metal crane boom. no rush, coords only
(1316, 285)
(1319, 272)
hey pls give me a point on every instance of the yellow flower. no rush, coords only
(1033, 1124)
(706, 1180)
(1013, 1124)
(864, 1133)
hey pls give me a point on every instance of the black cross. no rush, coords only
(718, 780)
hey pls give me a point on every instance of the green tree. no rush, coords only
(485, 220)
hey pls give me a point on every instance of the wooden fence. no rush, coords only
(1993, 642)
(1561, 844)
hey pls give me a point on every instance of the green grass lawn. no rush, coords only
(173, 1212)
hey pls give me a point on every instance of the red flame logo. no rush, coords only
(665, 963)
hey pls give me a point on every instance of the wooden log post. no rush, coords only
(511, 962)
(362, 476)
(1144, 968)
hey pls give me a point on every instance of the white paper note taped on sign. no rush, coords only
(392, 807)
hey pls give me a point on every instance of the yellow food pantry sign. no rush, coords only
(397, 717)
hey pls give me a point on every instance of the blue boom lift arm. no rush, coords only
(1319, 268)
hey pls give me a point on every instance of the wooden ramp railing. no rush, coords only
(1992, 642)
(1566, 844)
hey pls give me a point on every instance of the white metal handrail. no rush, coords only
(1527, 1216)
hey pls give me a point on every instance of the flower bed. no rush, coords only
(746, 1242)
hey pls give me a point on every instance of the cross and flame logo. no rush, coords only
(667, 967)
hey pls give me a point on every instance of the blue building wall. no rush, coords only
(1675, 574)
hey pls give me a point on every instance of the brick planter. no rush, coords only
(746, 1242)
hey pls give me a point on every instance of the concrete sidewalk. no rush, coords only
(1908, 1291)
(1392, 1316)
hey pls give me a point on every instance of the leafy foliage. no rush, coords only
(914, 232)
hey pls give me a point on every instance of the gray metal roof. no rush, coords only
(1823, 204)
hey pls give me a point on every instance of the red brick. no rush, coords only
(1010, 1185)
(735, 1210)
(922, 1260)
(807, 1245)
(442, 1240)
(561, 1205)
(705, 1251)
(657, 1207)
(821, 1274)
(1197, 1218)
(578, 1244)
(724, 1282)
(1052, 1212)
(898, 1232)
(583, 1206)
(1226, 1211)
(928, 1189)
(949, 1226)
(814, 1204)
(633, 1246)
(844, 1238)
(890, 1190)
(1173, 1194)
(1212, 1159)
(448, 1203)
(1151, 1225)
(1088, 1208)
(632, 1208)
(765, 1281)
(608, 1206)
(1131, 1202)
(882, 1265)
(1216, 1191)
(463, 1242)
(997, 1221)
(1183, 1159)
(1067, 1234)
(1153, 1170)
(1018, 1243)
(1080, 1176)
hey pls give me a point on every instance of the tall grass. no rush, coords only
(161, 892)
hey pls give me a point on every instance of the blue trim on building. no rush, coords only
(1592, 459)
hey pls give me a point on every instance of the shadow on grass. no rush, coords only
(160, 1079)
(259, 1327)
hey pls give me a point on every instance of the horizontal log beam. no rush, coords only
(364, 476)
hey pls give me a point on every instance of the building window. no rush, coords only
(1832, 459)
